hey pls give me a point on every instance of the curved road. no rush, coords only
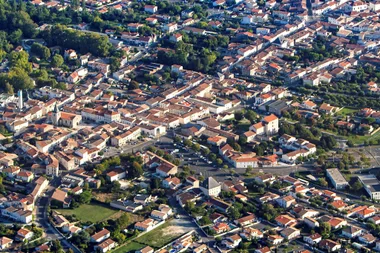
(41, 219)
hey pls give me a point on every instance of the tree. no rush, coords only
(325, 229)
(251, 116)
(20, 60)
(187, 143)
(322, 182)
(196, 147)
(212, 157)
(85, 197)
(41, 51)
(2, 55)
(137, 170)
(219, 161)
(356, 187)
(123, 221)
(238, 115)
(57, 61)
(114, 64)
(205, 151)
(56, 246)
(19, 79)
(234, 213)
(9, 89)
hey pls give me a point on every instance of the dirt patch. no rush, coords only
(104, 197)
(178, 227)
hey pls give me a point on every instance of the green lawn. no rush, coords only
(92, 212)
(347, 111)
(360, 139)
(243, 125)
(131, 246)
(159, 237)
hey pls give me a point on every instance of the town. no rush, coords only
(190, 126)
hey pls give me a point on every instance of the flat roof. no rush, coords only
(337, 176)
(370, 182)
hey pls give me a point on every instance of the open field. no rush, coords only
(92, 212)
(165, 233)
(347, 111)
(131, 246)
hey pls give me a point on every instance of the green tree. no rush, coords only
(219, 161)
(20, 60)
(325, 229)
(85, 197)
(57, 61)
(137, 170)
(357, 186)
(114, 64)
(19, 79)
(322, 182)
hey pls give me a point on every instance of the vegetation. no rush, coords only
(92, 212)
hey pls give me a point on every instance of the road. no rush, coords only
(41, 219)
(209, 241)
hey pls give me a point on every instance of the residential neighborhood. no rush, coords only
(189, 126)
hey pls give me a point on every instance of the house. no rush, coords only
(151, 9)
(263, 250)
(221, 227)
(275, 239)
(146, 249)
(61, 198)
(232, 241)
(246, 220)
(329, 245)
(24, 176)
(250, 233)
(268, 126)
(337, 223)
(211, 187)
(290, 233)
(5, 242)
(285, 220)
(24, 234)
(171, 183)
(145, 225)
(367, 238)
(116, 175)
(106, 245)
(101, 235)
(286, 202)
(265, 179)
(351, 231)
(144, 199)
(312, 239)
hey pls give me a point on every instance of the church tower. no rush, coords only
(20, 100)
(56, 115)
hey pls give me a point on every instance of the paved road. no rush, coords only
(41, 219)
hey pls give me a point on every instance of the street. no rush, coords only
(41, 218)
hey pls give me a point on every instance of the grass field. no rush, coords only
(90, 212)
(131, 246)
(360, 139)
(347, 111)
(243, 125)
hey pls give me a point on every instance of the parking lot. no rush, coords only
(195, 160)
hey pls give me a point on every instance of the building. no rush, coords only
(337, 179)
(268, 126)
(5, 242)
(211, 187)
(371, 185)
(101, 235)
